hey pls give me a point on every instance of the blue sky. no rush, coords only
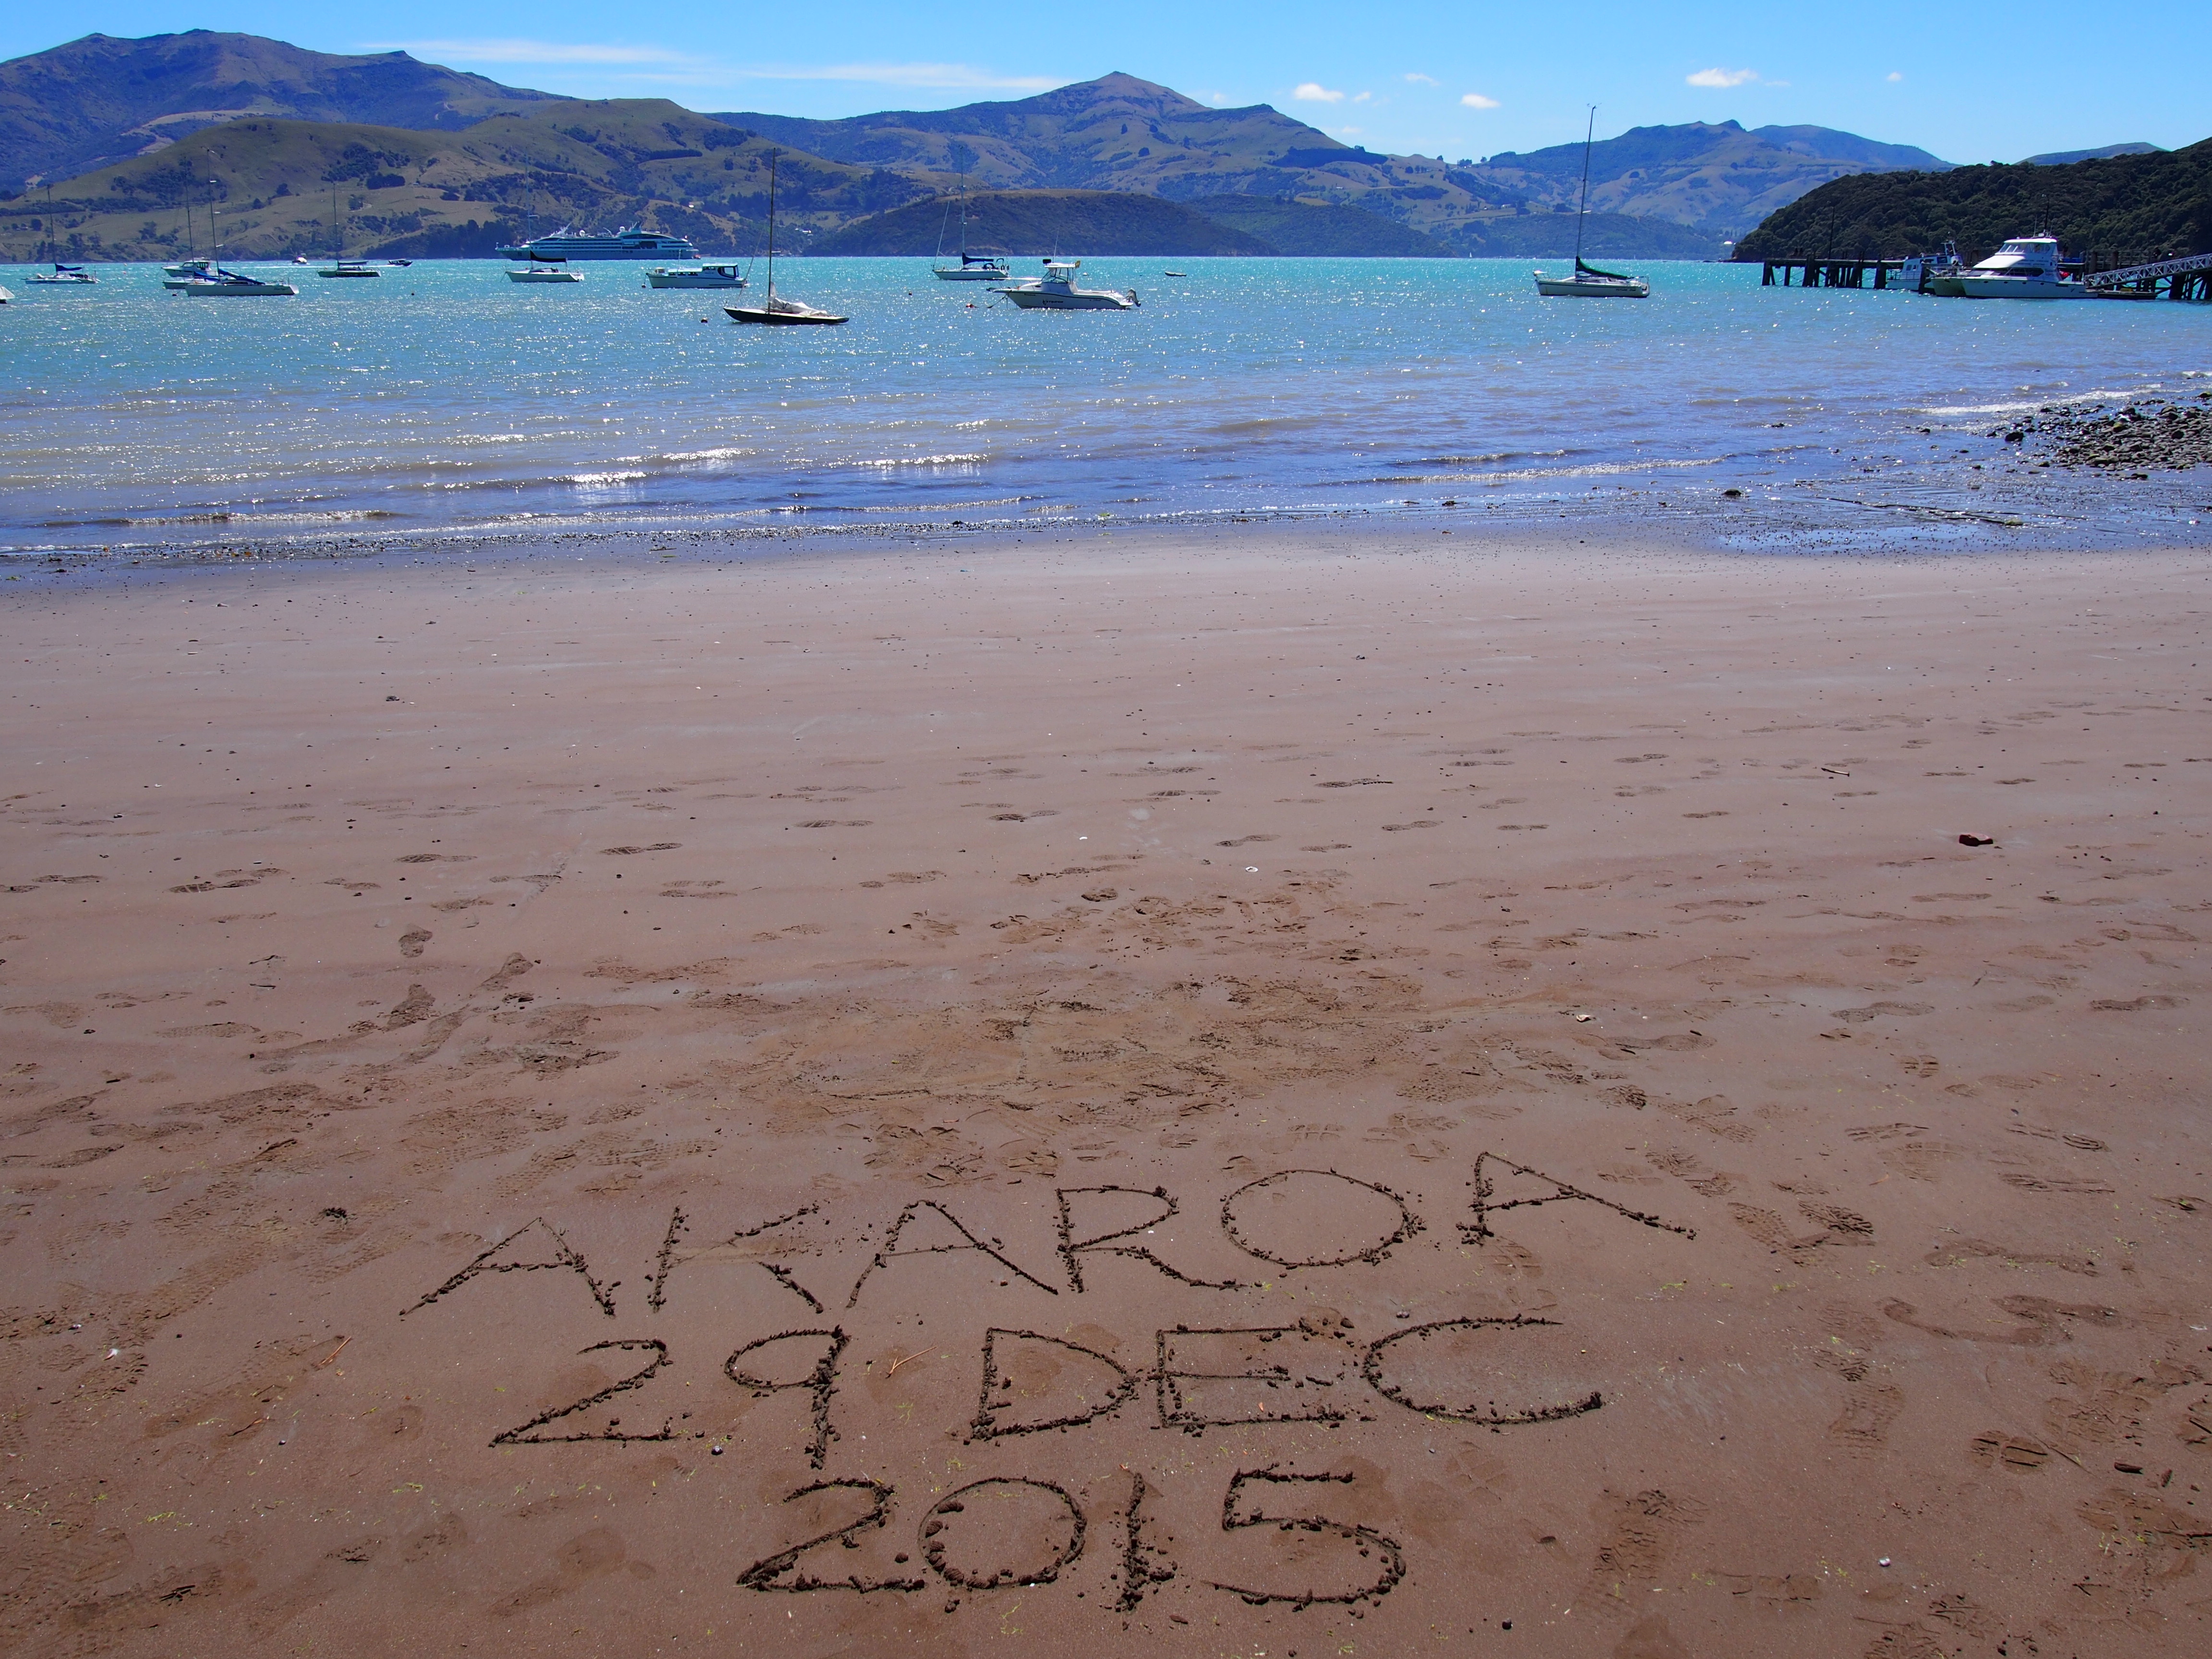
(1970, 83)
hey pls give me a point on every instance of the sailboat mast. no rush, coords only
(1583, 212)
(771, 233)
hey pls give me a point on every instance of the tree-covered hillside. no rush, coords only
(2120, 207)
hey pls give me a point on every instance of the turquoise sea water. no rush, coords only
(444, 397)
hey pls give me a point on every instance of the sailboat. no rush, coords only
(66, 276)
(777, 313)
(339, 265)
(973, 267)
(1588, 282)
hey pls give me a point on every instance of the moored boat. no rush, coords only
(227, 284)
(630, 242)
(2025, 268)
(695, 276)
(1588, 282)
(545, 268)
(1057, 290)
(774, 312)
(973, 267)
(65, 276)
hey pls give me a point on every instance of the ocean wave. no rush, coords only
(1518, 474)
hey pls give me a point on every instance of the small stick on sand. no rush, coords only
(333, 1353)
(896, 1364)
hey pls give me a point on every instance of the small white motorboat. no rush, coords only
(1057, 290)
(230, 284)
(65, 276)
(2025, 268)
(1588, 282)
(695, 276)
(185, 272)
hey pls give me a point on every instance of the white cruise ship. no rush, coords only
(629, 243)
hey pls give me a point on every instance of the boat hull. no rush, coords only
(545, 276)
(2022, 288)
(236, 290)
(664, 250)
(947, 274)
(349, 273)
(779, 319)
(1570, 287)
(707, 277)
(1044, 300)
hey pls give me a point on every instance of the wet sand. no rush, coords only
(1179, 1094)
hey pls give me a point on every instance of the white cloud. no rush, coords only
(1422, 80)
(1363, 97)
(1896, 75)
(1476, 100)
(1312, 92)
(530, 51)
(1721, 77)
(1349, 132)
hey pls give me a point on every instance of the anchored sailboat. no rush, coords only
(1588, 282)
(973, 267)
(777, 313)
(339, 265)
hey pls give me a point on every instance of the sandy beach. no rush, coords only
(1292, 1094)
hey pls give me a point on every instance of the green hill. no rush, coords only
(100, 101)
(1319, 229)
(1606, 236)
(2120, 207)
(598, 163)
(1042, 221)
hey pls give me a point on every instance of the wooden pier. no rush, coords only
(2189, 278)
(1824, 272)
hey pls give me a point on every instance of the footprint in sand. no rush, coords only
(412, 941)
(1997, 1449)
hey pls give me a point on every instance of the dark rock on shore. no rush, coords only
(2150, 431)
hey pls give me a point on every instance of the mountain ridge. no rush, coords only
(1660, 191)
(99, 99)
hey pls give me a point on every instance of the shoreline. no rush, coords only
(2076, 513)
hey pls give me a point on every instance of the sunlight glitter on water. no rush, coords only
(450, 399)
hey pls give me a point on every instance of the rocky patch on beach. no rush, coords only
(2150, 431)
